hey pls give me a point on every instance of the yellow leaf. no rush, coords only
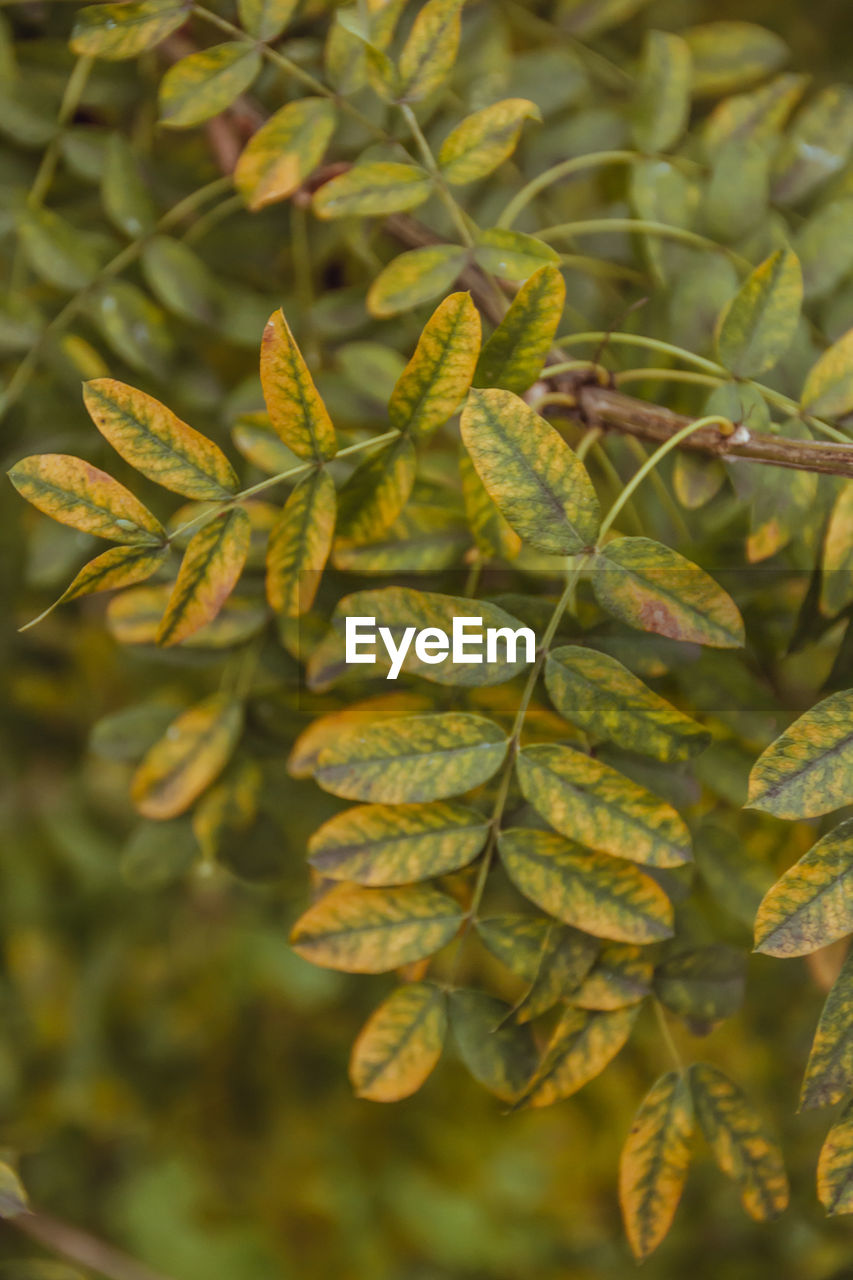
(157, 443)
(118, 31)
(430, 51)
(75, 493)
(653, 1164)
(662, 104)
(296, 411)
(808, 771)
(837, 564)
(284, 151)
(299, 545)
(495, 539)
(728, 55)
(210, 569)
(375, 930)
(828, 390)
(188, 758)
(439, 373)
(829, 1071)
(580, 1048)
(265, 19)
(376, 492)
(515, 353)
(134, 617)
(118, 567)
(327, 729)
(812, 904)
(400, 1044)
(373, 187)
(228, 807)
(206, 83)
(835, 1166)
(415, 277)
(758, 325)
(483, 141)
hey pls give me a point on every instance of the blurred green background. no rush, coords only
(173, 1079)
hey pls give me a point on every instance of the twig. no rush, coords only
(80, 1247)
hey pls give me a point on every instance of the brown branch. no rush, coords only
(614, 411)
(80, 1247)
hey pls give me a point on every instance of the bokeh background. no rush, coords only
(172, 1077)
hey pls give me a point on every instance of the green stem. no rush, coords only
(713, 420)
(662, 491)
(431, 165)
(603, 336)
(645, 226)
(669, 375)
(576, 164)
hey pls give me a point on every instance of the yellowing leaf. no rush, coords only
(190, 755)
(809, 769)
(580, 1048)
(824, 246)
(415, 277)
(494, 538)
(117, 31)
(539, 485)
(400, 1043)
(265, 19)
(812, 904)
(835, 1166)
(299, 545)
(584, 19)
(296, 411)
(430, 51)
(228, 808)
(210, 570)
(515, 353)
(374, 930)
(413, 759)
(828, 390)
(499, 1054)
(595, 692)
(586, 800)
(483, 141)
(258, 443)
(757, 115)
(653, 1163)
(836, 590)
(134, 617)
(377, 187)
(377, 491)
(384, 845)
(285, 150)
(75, 493)
(817, 144)
(512, 255)
(118, 567)
(829, 1071)
(662, 104)
(206, 83)
(156, 443)
(741, 1145)
(729, 55)
(621, 975)
(653, 588)
(439, 373)
(759, 323)
(591, 891)
(327, 729)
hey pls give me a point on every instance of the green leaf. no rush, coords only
(375, 930)
(180, 280)
(125, 196)
(206, 83)
(209, 572)
(741, 1145)
(58, 252)
(157, 443)
(829, 1071)
(435, 380)
(299, 545)
(482, 141)
(134, 616)
(809, 769)
(816, 146)
(494, 538)
(824, 246)
(836, 591)
(377, 187)
(596, 693)
(587, 18)
(515, 353)
(563, 963)
(13, 1197)
(729, 55)
(758, 326)
(377, 491)
(738, 195)
(384, 845)
(413, 759)
(653, 588)
(228, 809)
(828, 391)
(400, 1043)
(118, 567)
(118, 31)
(499, 1054)
(662, 103)
(430, 51)
(538, 483)
(423, 537)
(580, 1047)
(811, 905)
(284, 151)
(591, 891)
(75, 493)
(704, 985)
(621, 975)
(415, 277)
(653, 1164)
(296, 411)
(586, 800)
(132, 326)
(696, 480)
(188, 758)
(402, 609)
(265, 19)
(835, 1166)
(758, 115)
(511, 255)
